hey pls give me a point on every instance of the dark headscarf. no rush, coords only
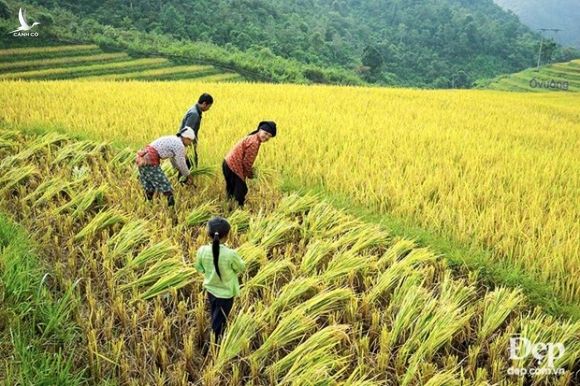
(268, 126)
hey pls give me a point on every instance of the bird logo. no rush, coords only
(24, 26)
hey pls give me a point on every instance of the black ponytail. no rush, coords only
(217, 229)
(215, 248)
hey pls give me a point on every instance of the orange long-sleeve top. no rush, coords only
(242, 156)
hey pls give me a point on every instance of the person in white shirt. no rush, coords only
(151, 176)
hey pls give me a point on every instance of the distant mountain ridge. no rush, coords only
(560, 14)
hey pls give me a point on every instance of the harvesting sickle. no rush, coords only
(24, 26)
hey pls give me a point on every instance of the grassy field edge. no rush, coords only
(38, 337)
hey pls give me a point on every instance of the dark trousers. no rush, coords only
(219, 311)
(235, 186)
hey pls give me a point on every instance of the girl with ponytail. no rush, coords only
(220, 266)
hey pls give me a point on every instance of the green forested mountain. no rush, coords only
(425, 43)
(559, 14)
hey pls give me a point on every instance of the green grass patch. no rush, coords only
(37, 335)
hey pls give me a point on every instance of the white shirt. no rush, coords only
(172, 147)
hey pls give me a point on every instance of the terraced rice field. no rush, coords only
(326, 299)
(554, 77)
(90, 62)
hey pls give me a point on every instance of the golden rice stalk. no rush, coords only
(455, 291)
(73, 152)
(317, 252)
(15, 135)
(437, 322)
(316, 352)
(131, 235)
(266, 176)
(49, 189)
(83, 201)
(271, 231)
(363, 237)
(7, 144)
(346, 263)
(154, 253)
(330, 367)
(32, 148)
(324, 220)
(123, 157)
(296, 204)
(326, 302)
(158, 270)
(290, 294)
(17, 176)
(290, 328)
(172, 281)
(252, 255)
(398, 250)
(202, 171)
(268, 274)
(411, 301)
(445, 378)
(543, 328)
(359, 378)
(201, 214)
(102, 220)
(388, 280)
(239, 220)
(236, 340)
(497, 306)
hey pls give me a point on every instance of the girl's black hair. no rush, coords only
(217, 228)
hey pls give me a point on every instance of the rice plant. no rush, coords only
(17, 176)
(270, 232)
(131, 235)
(154, 253)
(104, 219)
(83, 201)
(316, 352)
(497, 307)
(200, 214)
(172, 281)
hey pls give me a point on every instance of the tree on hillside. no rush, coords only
(372, 59)
(4, 10)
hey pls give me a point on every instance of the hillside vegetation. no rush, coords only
(448, 43)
